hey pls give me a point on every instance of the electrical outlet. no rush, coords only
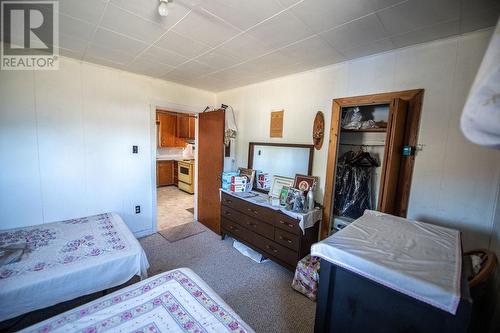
(135, 149)
(137, 209)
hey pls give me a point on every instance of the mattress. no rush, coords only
(68, 259)
(174, 301)
(418, 259)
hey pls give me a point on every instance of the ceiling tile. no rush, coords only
(244, 47)
(123, 22)
(322, 15)
(71, 53)
(312, 52)
(156, 54)
(88, 10)
(119, 42)
(270, 62)
(190, 71)
(479, 14)
(233, 74)
(280, 31)
(148, 9)
(357, 32)
(217, 60)
(441, 30)
(143, 66)
(104, 62)
(76, 28)
(71, 43)
(242, 14)
(206, 28)
(182, 45)
(378, 46)
(288, 3)
(416, 14)
(109, 54)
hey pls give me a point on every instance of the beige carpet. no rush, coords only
(259, 293)
(172, 205)
(182, 231)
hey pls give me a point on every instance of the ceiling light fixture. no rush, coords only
(163, 8)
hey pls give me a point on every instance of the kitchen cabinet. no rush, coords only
(185, 127)
(167, 131)
(176, 173)
(165, 173)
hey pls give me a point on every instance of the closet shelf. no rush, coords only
(366, 130)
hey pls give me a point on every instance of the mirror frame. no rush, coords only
(251, 146)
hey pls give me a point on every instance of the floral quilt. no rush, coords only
(61, 243)
(76, 256)
(174, 301)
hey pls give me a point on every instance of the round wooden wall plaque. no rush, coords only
(318, 130)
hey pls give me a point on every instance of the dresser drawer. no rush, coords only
(287, 239)
(250, 209)
(287, 223)
(284, 254)
(252, 224)
(235, 229)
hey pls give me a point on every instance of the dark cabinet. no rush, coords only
(270, 232)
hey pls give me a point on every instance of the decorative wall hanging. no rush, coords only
(318, 130)
(276, 128)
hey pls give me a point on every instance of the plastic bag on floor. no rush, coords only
(249, 252)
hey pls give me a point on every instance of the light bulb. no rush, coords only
(163, 8)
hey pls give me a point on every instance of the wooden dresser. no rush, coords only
(272, 233)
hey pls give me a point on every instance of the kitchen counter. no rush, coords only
(173, 158)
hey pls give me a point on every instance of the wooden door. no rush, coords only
(210, 166)
(392, 155)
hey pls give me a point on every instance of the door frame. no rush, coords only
(414, 98)
(178, 108)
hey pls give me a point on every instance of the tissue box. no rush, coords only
(237, 188)
(227, 179)
(239, 180)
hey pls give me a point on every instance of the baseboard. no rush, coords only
(143, 233)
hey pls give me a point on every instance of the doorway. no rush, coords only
(175, 168)
(371, 154)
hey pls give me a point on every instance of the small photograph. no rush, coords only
(303, 182)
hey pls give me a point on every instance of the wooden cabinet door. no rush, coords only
(167, 130)
(182, 126)
(210, 166)
(393, 154)
(165, 173)
(191, 128)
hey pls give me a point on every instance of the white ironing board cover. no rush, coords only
(68, 259)
(415, 258)
(174, 301)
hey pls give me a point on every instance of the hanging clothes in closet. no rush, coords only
(353, 191)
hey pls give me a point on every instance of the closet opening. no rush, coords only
(371, 155)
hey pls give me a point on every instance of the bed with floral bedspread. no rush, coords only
(67, 259)
(174, 301)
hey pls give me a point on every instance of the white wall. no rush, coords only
(454, 181)
(66, 141)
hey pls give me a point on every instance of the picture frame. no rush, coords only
(304, 182)
(284, 195)
(277, 184)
